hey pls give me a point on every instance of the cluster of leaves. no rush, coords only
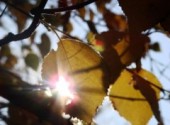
(94, 67)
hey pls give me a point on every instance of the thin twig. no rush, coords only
(3, 10)
(134, 99)
(25, 34)
(158, 87)
(156, 62)
(49, 27)
(37, 12)
(17, 8)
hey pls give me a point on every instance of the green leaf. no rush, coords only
(155, 47)
(32, 61)
(45, 44)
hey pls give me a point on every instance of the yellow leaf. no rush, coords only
(82, 65)
(96, 44)
(135, 95)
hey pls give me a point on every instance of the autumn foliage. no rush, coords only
(81, 72)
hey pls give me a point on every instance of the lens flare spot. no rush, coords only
(63, 87)
(48, 92)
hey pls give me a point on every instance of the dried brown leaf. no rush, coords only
(114, 21)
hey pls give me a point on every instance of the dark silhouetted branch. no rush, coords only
(25, 34)
(36, 19)
(18, 94)
(150, 83)
(3, 11)
(134, 99)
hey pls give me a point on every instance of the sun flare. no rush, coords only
(64, 89)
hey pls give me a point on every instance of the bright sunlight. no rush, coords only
(63, 88)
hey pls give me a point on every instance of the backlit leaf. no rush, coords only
(135, 95)
(82, 65)
(96, 44)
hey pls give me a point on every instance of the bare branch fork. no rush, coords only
(36, 19)
(25, 34)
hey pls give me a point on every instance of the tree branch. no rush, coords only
(3, 11)
(14, 89)
(77, 6)
(37, 12)
(25, 34)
